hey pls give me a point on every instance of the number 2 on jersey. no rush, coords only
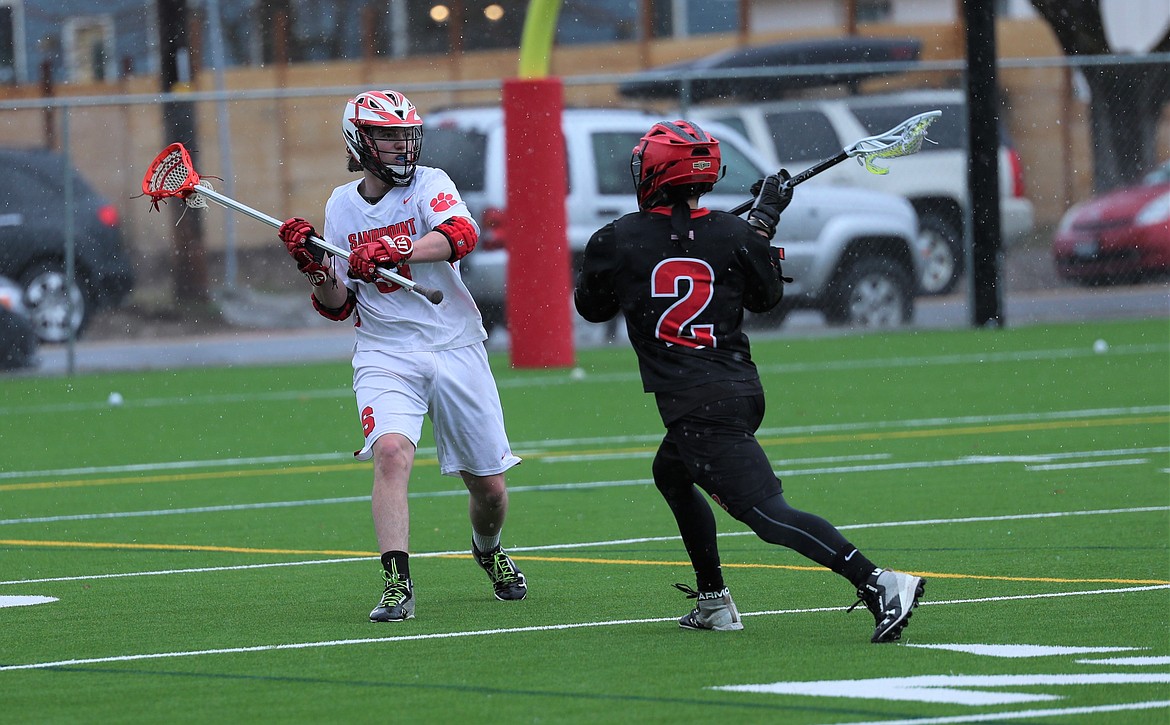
(674, 326)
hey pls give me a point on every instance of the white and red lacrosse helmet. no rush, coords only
(383, 109)
(674, 155)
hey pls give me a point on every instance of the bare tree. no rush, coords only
(1127, 98)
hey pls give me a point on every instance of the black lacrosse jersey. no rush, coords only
(683, 300)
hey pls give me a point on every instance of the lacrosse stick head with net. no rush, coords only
(902, 140)
(172, 175)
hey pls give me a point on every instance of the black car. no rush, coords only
(18, 341)
(32, 243)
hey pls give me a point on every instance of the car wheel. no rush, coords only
(47, 297)
(872, 292)
(939, 255)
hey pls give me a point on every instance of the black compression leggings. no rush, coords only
(807, 534)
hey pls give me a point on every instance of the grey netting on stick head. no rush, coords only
(904, 139)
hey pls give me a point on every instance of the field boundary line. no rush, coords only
(583, 545)
(534, 447)
(528, 380)
(510, 630)
(1022, 714)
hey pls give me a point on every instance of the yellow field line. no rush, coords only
(173, 477)
(790, 567)
(791, 440)
(179, 547)
(969, 430)
(553, 559)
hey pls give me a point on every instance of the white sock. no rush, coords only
(485, 543)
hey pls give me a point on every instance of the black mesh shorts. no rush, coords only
(715, 447)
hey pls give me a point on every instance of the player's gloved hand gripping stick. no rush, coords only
(172, 174)
(902, 140)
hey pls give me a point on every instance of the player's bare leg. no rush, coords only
(488, 506)
(393, 461)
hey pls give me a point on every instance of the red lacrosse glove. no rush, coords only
(365, 259)
(295, 234)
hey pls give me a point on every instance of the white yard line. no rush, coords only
(506, 630)
(588, 544)
(1038, 459)
(563, 378)
(1023, 714)
(551, 444)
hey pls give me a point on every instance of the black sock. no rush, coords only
(396, 563)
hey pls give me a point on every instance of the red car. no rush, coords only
(1120, 237)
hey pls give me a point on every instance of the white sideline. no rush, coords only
(1034, 459)
(590, 544)
(511, 630)
(1022, 714)
(543, 445)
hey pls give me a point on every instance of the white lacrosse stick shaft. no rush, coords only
(435, 296)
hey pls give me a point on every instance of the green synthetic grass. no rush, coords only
(210, 548)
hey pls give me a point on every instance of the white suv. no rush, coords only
(849, 251)
(797, 134)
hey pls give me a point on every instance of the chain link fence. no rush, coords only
(1079, 238)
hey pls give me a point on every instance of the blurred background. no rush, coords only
(90, 93)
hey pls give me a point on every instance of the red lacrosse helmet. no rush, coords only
(674, 159)
(383, 110)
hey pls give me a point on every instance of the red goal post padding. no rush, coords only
(539, 294)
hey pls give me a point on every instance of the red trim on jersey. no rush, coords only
(666, 210)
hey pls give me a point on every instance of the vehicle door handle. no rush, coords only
(609, 212)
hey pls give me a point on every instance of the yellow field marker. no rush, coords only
(550, 559)
(423, 461)
(178, 547)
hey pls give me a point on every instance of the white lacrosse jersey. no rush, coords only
(389, 317)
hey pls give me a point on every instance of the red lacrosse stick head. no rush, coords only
(171, 174)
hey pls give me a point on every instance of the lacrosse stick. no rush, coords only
(902, 140)
(172, 174)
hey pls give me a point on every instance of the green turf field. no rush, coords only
(208, 553)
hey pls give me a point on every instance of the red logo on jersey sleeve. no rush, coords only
(443, 202)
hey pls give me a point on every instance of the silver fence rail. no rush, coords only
(280, 150)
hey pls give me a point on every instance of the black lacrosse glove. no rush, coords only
(773, 196)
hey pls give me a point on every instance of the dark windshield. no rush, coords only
(460, 153)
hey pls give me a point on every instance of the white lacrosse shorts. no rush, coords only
(395, 390)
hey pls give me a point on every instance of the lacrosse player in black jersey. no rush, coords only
(682, 276)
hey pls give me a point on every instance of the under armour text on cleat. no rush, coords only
(714, 610)
(508, 580)
(891, 597)
(397, 603)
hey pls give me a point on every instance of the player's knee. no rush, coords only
(487, 490)
(393, 453)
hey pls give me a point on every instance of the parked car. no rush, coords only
(1120, 236)
(32, 243)
(850, 252)
(18, 340)
(797, 134)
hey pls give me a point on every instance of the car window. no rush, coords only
(736, 123)
(459, 152)
(802, 135)
(741, 171)
(948, 132)
(1160, 175)
(611, 158)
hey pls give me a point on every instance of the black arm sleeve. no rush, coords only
(764, 286)
(596, 294)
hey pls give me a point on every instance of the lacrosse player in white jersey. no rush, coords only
(411, 358)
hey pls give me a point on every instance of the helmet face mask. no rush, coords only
(383, 134)
(675, 160)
